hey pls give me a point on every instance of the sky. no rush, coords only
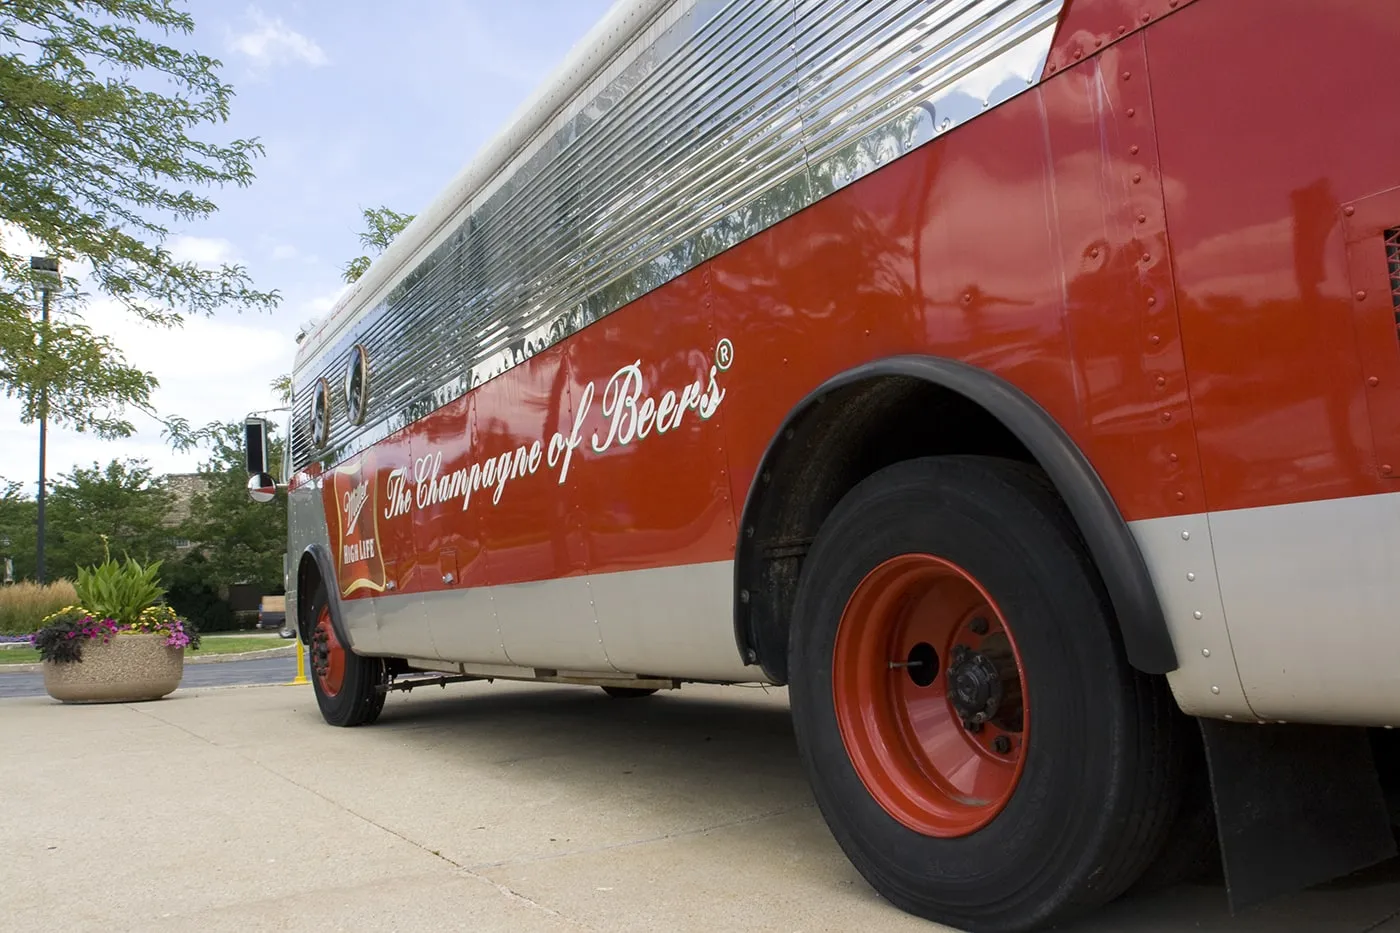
(358, 103)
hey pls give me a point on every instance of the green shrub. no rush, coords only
(200, 603)
(192, 588)
(25, 606)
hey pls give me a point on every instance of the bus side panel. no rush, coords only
(307, 525)
(533, 548)
(1255, 214)
(950, 251)
(1275, 118)
(460, 615)
(651, 485)
(1126, 337)
(1011, 244)
(399, 606)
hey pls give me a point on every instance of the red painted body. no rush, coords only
(1151, 243)
(1274, 342)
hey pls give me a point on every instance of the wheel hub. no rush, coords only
(327, 656)
(930, 695)
(320, 653)
(974, 685)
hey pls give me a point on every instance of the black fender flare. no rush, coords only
(1110, 541)
(321, 556)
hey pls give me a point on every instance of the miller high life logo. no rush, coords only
(355, 504)
(352, 493)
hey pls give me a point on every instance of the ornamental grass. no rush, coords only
(25, 606)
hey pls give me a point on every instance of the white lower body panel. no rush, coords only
(671, 622)
(1284, 613)
(654, 621)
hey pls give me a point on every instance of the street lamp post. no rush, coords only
(46, 274)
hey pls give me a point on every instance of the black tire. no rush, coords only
(1191, 852)
(629, 693)
(1101, 773)
(357, 702)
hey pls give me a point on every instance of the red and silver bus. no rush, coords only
(1015, 381)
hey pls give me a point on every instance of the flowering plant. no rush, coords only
(162, 620)
(64, 633)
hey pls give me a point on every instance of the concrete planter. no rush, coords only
(126, 669)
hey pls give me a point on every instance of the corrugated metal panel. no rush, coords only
(719, 121)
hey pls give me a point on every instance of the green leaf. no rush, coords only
(105, 140)
(381, 226)
(119, 591)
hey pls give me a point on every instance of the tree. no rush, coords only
(234, 540)
(18, 520)
(282, 385)
(381, 226)
(100, 148)
(242, 541)
(124, 502)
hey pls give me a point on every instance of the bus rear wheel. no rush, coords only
(345, 683)
(973, 733)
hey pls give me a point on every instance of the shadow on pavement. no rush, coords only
(742, 742)
(698, 740)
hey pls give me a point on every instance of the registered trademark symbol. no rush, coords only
(724, 354)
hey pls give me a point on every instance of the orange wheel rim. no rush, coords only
(327, 655)
(930, 696)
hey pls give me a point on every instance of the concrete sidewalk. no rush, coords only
(478, 808)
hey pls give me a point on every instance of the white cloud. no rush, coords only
(205, 251)
(18, 243)
(272, 42)
(317, 308)
(211, 369)
(284, 251)
(323, 303)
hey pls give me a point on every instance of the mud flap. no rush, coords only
(1295, 806)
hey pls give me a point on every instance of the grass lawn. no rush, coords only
(210, 644)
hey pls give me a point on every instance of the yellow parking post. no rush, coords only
(301, 665)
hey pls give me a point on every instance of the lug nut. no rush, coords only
(1002, 745)
(979, 626)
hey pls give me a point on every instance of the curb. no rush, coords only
(283, 651)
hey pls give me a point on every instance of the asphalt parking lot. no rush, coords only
(476, 807)
(254, 671)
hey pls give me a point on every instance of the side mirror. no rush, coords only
(255, 446)
(262, 487)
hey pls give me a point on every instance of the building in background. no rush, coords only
(183, 488)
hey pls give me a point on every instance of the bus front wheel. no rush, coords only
(346, 684)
